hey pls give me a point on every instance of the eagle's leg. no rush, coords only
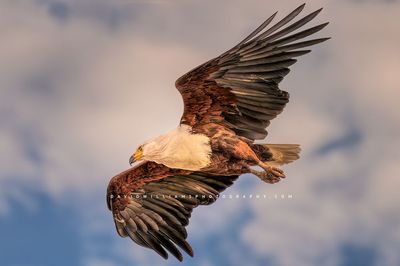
(271, 169)
(267, 177)
(242, 151)
(270, 174)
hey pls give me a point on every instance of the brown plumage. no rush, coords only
(230, 100)
(152, 204)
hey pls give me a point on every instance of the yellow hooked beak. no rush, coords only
(136, 156)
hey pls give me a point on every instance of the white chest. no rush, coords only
(180, 149)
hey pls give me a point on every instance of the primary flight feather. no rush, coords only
(228, 103)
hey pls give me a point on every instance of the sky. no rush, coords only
(83, 83)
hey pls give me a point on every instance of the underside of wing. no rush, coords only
(155, 214)
(240, 88)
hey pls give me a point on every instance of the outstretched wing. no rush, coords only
(154, 212)
(240, 88)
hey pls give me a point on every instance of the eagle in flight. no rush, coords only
(228, 103)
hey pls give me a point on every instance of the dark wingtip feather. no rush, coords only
(298, 9)
(323, 25)
(312, 15)
(168, 245)
(258, 30)
(305, 43)
(323, 39)
(301, 7)
(191, 254)
(280, 23)
(318, 10)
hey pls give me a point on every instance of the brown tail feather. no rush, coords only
(283, 153)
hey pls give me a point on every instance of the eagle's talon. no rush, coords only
(277, 172)
(267, 176)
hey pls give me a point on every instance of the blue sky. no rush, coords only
(83, 83)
